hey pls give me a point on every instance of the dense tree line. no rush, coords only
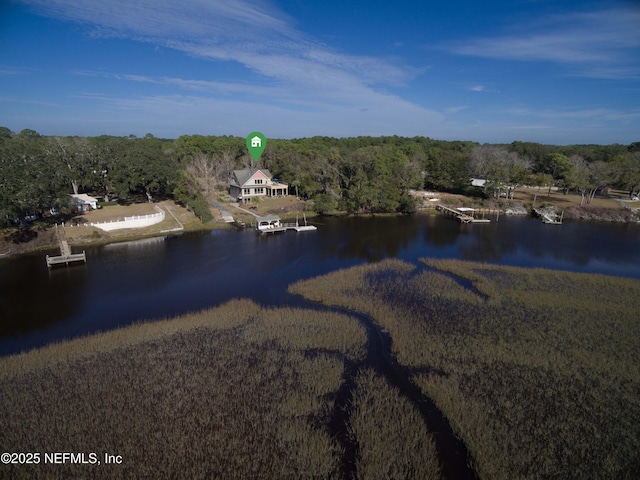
(586, 169)
(38, 173)
(363, 174)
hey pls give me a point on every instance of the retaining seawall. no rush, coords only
(137, 221)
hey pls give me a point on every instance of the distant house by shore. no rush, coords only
(84, 202)
(248, 183)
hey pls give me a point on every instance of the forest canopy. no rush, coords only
(356, 175)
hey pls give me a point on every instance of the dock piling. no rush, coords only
(462, 216)
(65, 257)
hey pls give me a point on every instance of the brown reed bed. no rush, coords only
(538, 371)
(393, 441)
(225, 393)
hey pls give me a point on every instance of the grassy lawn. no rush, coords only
(175, 217)
(612, 208)
(284, 206)
(79, 234)
(526, 195)
(287, 208)
(117, 212)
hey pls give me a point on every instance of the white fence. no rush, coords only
(138, 221)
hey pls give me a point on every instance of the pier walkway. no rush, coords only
(65, 257)
(225, 214)
(461, 215)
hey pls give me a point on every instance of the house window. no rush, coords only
(259, 191)
(246, 191)
(258, 181)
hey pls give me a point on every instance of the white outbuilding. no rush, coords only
(84, 202)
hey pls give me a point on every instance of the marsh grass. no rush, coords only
(537, 371)
(393, 441)
(293, 330)
(231, 314)
(225, 393)
(540, 369)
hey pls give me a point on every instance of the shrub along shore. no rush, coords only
(537, 371)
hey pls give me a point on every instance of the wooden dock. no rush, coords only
(65, 257)
(272, 224)
(463, 216)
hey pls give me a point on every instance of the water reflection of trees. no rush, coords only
(524, 241)
(30, 300)
(372, 239)
(521, 239)
(569, 244)
(441, 232)
(490, 243)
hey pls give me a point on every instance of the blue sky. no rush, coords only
(558, 72)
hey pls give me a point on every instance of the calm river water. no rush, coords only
(158, 278)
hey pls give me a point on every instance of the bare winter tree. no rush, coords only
(226, 162)
(211, 170)
(202, 168)
(500, 168)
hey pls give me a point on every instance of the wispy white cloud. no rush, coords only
(252, 33)
(188, 19)
(206, 112)
(600, 115)
(12, 70)
(527, 127)
(456, 109)
(297, 85)
(351, 96)
(592, 115)
(597, 44)
(27, 101)
(258, 91)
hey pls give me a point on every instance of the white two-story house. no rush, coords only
(248, 183)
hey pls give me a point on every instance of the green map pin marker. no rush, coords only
(256, 142)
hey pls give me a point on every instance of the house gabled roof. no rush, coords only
(240, 177)
(84, 198)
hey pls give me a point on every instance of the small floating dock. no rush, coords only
(465, 215)
(550, 219)
(273, 224)
(65, 257)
